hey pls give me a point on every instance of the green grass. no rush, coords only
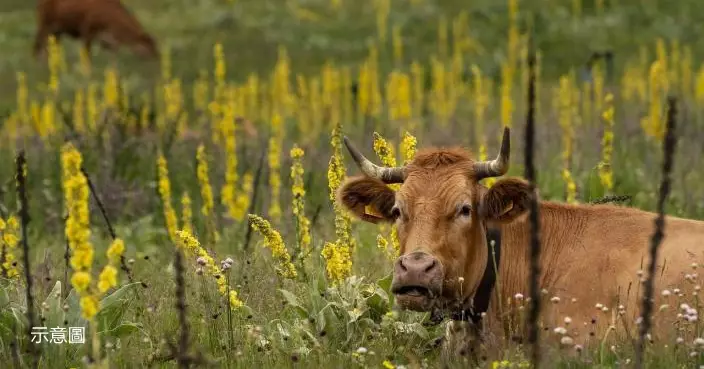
(251, 31)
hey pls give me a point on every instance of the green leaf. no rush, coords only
(113, 307)
(385, 285)
(54, 314)
(292, 301)
(124, 329)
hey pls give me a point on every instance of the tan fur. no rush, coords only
(105, 21)
(590, 253)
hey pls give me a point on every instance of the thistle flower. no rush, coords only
(164, 186)
(273, 241)
(188, 243)
(298, 205)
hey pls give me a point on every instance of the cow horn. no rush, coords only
(498, 166)
(385, 174)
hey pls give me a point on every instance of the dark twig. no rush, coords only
(611, 199)
(533, 334)
(253, 202)
(182, 349)
(24, 221)
(111, 230)
(658, 234)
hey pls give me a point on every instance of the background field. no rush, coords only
(290, 68)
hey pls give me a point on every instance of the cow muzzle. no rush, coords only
(417, 281)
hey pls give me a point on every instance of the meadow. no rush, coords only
(228, 149)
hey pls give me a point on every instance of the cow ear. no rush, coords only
(506, 200)
(367, 198)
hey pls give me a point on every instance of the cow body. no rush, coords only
(591, 255)
(105, 21)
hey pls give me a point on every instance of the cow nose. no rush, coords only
(416, 263)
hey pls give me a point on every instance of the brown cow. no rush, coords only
(591, 254)
(105, 21)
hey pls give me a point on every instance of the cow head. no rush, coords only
(441, 212)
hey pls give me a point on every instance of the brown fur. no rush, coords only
(590, 253)
(105, 21)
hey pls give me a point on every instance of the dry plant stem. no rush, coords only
(24, 221)
(658, 234)
(533, 334)
(182, 348)
(253, 201)
(111, 230)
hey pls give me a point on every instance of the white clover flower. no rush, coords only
(560, 330)
(518, 296)
(666, 293)
(568, 320)
(555, 299)
(566, 341)
(599, 306)
(679, 340)
(362, 350)
(699, 341)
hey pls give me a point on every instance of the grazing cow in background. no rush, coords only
(105, 21)
(591, 254)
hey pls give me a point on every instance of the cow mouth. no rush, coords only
(413, 297)
(413, 291)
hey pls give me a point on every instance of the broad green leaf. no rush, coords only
(54, 313)
(292, 300)
(113, 307)
(124, 329)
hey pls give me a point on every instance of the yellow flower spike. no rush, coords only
(605, 173)
(89, 307)
(107, 278)
(164, 187)
(298, 205)
(115, 251)
(408, 147)
(186, 213)
(275, 243)
(190, 245)
(9, 232)
(275, 143)
(80, 281)
(338, 264)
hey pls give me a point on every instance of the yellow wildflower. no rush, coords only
(388, 365)
(107, 278)
(298, 206)
(206, 191)
(115, 251)
(188, 243)
(89, 307)
(338, 264)
(10, 238)
(408, 147)
(80, 281)
(275, 165)
(164, 187)
(274, 241)
(186, 213)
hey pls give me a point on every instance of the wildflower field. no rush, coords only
(183, 210)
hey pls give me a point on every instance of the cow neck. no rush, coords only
(480, 301)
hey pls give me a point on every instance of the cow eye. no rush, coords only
(465, 210)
